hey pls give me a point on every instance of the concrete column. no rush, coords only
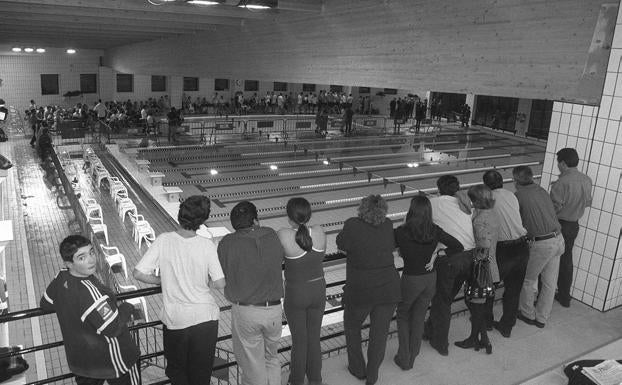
(471, 100)
(176, 90)
(107, 83)
(594, 131)
(522, 116)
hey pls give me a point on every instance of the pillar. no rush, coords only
(471, 101)
(595, 133)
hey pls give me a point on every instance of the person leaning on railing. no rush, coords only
(188, 265)
(372, 284)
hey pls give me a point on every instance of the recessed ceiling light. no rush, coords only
(28, 49)
(273, 167)
(70, 50)
(41, 50)
(213, 172)
(16, 49)
(254, 6)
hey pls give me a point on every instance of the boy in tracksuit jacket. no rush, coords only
(97, 341)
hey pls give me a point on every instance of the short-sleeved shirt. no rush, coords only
(508, 213)
(447, 214)
(252, 260)
(186, 266)
(571, 194)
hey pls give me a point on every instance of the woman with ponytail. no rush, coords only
(305, 291)
(417, 239)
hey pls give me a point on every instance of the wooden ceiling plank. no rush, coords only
(301, 5)
(115, 14)
(27, 24)
(180, 8)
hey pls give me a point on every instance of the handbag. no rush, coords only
(480, 284)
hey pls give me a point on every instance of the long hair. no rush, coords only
(299, 211)
(373, 209)
(419, 219)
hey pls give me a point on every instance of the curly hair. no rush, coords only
(193, 211)
(373, 209)
(481, 196)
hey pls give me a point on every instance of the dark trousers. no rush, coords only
(348, 126)
(512, 258)
(189, 353)
(417, 293)
(564, 280)
(130, 378)
(451, 272)
(304, 306)
(380, 316)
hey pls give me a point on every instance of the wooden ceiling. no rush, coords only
(102, 24)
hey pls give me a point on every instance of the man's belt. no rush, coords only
(546, 236)
(261, 304)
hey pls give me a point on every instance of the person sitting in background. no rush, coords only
(372, 284)
(186, 265)
(486, 232)
(305, 291)
(546, 247)
(417, 240)
(512, 250)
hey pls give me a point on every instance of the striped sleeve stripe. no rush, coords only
(117, 350)
(47, 297)
(94, 289)
(115, 364)
(105, 324)
(134, 377)
(95, 304)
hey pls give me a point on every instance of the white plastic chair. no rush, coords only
(98, 226)
(136, 302)
(114, 258)
(125, 205)
(149, 238)
(101, 174)
(92, 209)
(115, 186)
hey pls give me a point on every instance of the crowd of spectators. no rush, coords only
(520, 235)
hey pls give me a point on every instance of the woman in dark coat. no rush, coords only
(372, 284)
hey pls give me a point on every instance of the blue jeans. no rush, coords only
(544, 262)
(255, 332)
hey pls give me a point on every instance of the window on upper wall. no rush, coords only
(308, 87)
(364, 90)
(158, 83)
(390, 91)
(221, 84)
(125, 83)
(251, 85)
(335, 88)
(49, 84)
(191, 84)
(88, 83)
(280, 86)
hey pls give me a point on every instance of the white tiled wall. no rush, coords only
(595, 133)
(21, 76)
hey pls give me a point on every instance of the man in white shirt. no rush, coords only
(454, 269)
(512, 250)
(101, 110)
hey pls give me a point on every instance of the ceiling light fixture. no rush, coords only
(28, 49)
(16, 49)
(203, 2)
(70, 51)
(253, 6)
(41, 50)
(258, 4)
